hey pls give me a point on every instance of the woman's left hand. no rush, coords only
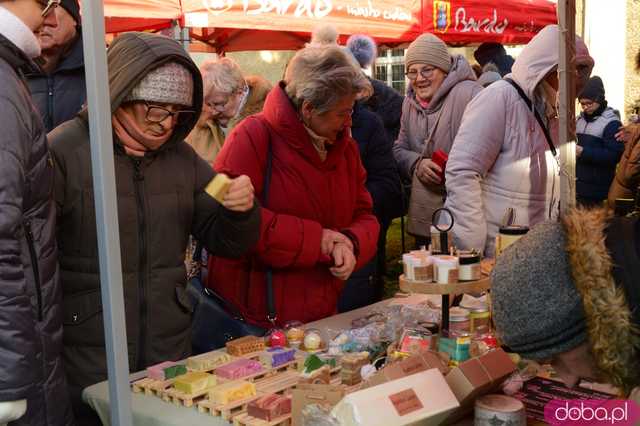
(240, 195)
(344, 260)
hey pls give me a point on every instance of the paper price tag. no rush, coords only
(406, 402)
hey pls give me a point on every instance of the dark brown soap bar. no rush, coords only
(270, 407)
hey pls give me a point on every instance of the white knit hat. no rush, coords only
(171, 83)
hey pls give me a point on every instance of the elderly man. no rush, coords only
(58, 88)
(568, 293)
(229, 98)
(31, 375)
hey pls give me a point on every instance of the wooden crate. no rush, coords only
(185, 399)
(279, 383)
(150, 386)
(226, 411)
(264, 374)
(247, 420)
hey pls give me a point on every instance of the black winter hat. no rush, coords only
(593, 90)
(73, 8)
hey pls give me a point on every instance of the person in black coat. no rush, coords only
(383, 183)
(31, 366)
(58, 87)
(385, 102)
(598, 151)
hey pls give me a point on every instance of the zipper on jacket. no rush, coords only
(138, 181)
(34, 264)
(50, 85)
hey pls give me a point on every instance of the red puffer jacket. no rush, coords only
(305, 196)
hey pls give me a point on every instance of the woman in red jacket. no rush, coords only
(317, 223)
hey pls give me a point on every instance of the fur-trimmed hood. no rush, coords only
(613, 336)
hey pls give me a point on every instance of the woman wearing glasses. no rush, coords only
(441, 86)
(229, 98)
(156, 98)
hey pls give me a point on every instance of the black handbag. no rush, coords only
(215, 320)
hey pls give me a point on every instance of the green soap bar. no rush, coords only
(175, 371)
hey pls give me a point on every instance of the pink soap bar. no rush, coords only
(156, 372)
(239, 369)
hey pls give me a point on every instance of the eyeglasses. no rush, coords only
(220, 106)
(157, 114)
(586, 104)
(425, 72)
(48, 6)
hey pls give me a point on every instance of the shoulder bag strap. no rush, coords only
(527, 101)
(272, 316)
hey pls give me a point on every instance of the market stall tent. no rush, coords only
(137, 15)
(235, 25)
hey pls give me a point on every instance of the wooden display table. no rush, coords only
(428, 287)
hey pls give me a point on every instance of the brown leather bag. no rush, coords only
(424, 199)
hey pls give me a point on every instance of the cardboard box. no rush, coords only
(416, 363)
(423, 397)
(478, 376)
(305, 394)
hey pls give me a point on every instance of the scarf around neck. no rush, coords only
(135, 142)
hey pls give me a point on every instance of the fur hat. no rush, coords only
(73, 8)
(554, 289)
(428, 49)
(170, 83)
(363, 48)
(593, 90)
(324, 35)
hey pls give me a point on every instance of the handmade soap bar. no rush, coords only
(351, 365)
(227, 393)
(207, 361)
(218, 187)
(174, 371)
(274, 357)
(156, 372)
(194, 382)
(245, 345)
(239, 369)
(270, 407)
(321, 375)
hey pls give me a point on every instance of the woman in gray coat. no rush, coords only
(441, 87)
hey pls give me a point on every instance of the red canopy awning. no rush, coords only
(478, 21)
(235, 25)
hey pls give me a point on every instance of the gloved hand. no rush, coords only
(12, 410)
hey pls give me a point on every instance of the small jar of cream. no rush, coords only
(445, 269)
(459, 322)
(469, 266)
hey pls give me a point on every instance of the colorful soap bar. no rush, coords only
(239, 369)
(351, 365)
(229, 392)
(156, 372)
(207, 361)
(218, 187)
(194, 382)
(245, 345)
(270, 407)
(275, 357)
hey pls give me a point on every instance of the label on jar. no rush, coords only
(470, 272)
(453, 276)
